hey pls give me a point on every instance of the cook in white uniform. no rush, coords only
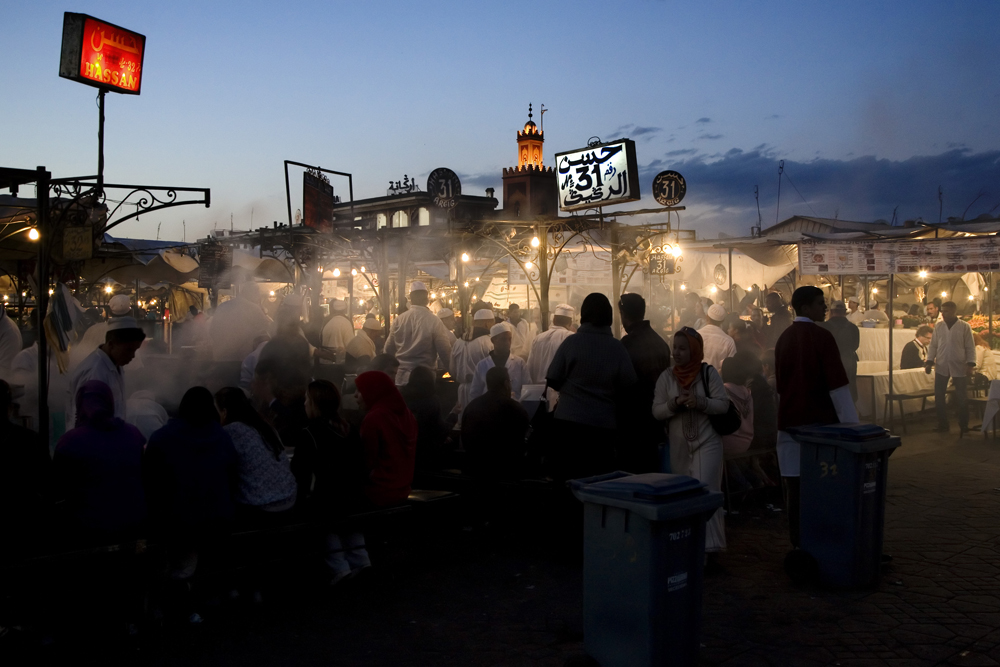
(105, 365)
(417, 337)
(339, 331)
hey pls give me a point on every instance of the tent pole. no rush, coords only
(730, 279)
(891, 322)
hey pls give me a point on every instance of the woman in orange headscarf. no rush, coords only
(681, 399)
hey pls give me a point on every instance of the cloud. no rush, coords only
(773, 116)
(632, 130)
(639, 131)
(682, 151)
(710, 137)
(703, 120)
(721, 189)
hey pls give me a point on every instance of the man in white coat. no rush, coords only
(120, 305)
(339, 331)
(719, 345)
(501, 335)
(545, 344)
(417, 337)
(105, 364)
(953, 353)
(468, 353)
(522, 341)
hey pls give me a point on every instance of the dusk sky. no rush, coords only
(871, 105)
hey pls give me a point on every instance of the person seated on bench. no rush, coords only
(24, 474)
(420, 394)
(266, 487)
(98, 469)
(329, 467)
(389, 438)
(915, 352)
(189, 471)
(493, 430)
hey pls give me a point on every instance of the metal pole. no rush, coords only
(891, 322)
(42, 302)
(730, 279)
(100, 142)
(989, 307)
(616, 278)
(543, 276)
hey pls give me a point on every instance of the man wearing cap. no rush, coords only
(543, 348)
(447, 317)
(339, 331)
(520, 330)
(94, 336)
(854, 314)
(502, 336)
(719, 346)
(105, 364)
(417, 337)
(364, 346)
(10, 342)
(466, 354)
(848, 339)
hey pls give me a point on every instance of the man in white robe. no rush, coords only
(468, 353)
(417, 337)
(105, 364)
(339, 331)
(501, 335)
(120, 305)
(522, 342)
(719, 345)
(545, 344)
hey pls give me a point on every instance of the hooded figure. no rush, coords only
(389, 438)
(97, 467)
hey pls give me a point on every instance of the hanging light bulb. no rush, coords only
(466, 283)
(683, 287)
(108, 289)
(714, 289)
(272, 292)
(354, 272)
(535, 242)
(923, 274)
(362, 269)
(33, 234)
(972, 298)
(336, 273)
(465, 257)
(477, 279)
(944, 294)
(874, 290)
(528, 265)
(676, 251)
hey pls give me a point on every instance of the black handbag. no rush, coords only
(729, 421)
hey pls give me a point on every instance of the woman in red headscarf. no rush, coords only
(681, 399)
(389, 437)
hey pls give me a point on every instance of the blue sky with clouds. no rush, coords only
(871, 105)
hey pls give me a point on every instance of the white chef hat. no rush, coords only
(716, 312)
(501, 328)
(338, 305)
(484, 314)
(372, 324)
(418, 286)
(120, 304)
(564, 310)
(445, 312)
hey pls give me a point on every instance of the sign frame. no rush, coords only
(318, 201)
(78, 49)
(663, 181)
(582, 159)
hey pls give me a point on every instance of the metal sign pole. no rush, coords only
(100, 142)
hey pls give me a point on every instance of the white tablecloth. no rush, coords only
(903, 382)
(992, 405)
(875, 344)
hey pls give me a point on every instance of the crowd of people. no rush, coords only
(276, 439)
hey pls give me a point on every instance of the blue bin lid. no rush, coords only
(649, 486)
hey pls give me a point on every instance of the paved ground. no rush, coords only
(495, 597)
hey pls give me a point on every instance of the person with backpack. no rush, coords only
(687, 396)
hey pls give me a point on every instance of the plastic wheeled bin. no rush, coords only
(842, 511)
(643, 559)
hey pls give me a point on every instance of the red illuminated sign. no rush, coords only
(101, 54)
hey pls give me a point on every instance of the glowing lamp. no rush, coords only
(528, 265)
(944, 294)
(714, 289)
(676, 251)
(354, 272)
(683, 287)
(362, 269)
(33, 234)
(465, 257)
(107, 289)
(535, 242)
(272, 293)
(972, 298)
(51, 291)
(466, 283)
(477, 279)
(874, 290)
(923, 274)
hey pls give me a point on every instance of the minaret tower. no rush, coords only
(529, 189)
(529, 144)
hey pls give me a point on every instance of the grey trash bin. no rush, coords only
(643, 559)
(842, 500)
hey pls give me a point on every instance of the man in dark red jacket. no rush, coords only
(812, 388)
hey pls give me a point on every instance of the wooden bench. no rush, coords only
(899, 398)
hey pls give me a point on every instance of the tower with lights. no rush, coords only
(529, 189)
